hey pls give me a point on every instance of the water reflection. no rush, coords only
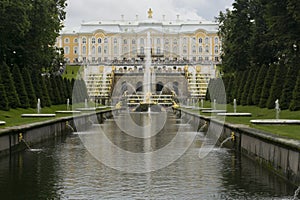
(66, 170)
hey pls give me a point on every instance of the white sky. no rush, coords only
(90, 10)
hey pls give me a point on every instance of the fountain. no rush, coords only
(214, 109)
(85, 103)
(277, 108)
(68, 111)
(235, 113)
(234, 105)
(38, 110)
(68, 104)
(38, 106)
(277, 120)
(296, 193)
(147, 104)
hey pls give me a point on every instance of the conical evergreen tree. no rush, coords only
(50, 90)
(57, 98)
(8, 82)
(60, 89)
(29, 88)
(35, 78)
(229, 88)
(252, 87)
(246, 88)
(236, 84)
(289, 85)
(267, 85)
(20, 87)
(241, 86)
(295, 103)
(46, 97)
(259, 83)
(277, 85)
(3, 98)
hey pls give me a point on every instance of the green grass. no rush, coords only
(13, 116)
(71, 72)
(289, 131)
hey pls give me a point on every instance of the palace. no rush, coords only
(125, 40)
(177, 48)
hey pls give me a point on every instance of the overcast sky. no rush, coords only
(90, 10)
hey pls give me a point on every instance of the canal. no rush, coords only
(67, 168)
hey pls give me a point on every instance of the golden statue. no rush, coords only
(150, 13)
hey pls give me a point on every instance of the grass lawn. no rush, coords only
(290, 131)
(13, 116)
(71, 72)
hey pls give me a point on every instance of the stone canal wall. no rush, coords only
(279, 154)
(11, 138)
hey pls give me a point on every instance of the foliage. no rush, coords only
(20, 87)
(29, 88)
(266, 88)
(295, 103)
(3, 99)
(8, 82)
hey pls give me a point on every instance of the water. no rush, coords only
(66, 170)
(38, 106)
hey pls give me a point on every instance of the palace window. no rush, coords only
(75, 40)
(93, 40)
(133, 50)
(206, 40)
(66, 40)
(133, 41)
(206, 59)
(194, 40)
(142, 50)
(184, 50)
(115, 50)
(167, 41)
(158, 41)
(125, 50)
(99, 49)
(200, 49)
(217, 59)
(75, 50)
(142, 41)
(105, 50)
(184, 40)
(158, 50)
(83, 40)
(216, 49)
(125, 41)
(200, 40)
(84, 49)
(194, 49)
(115, 41)
(174, 41)
(67, 50)
(206, 49)
(200, 59)
(99, 40)
(93, 50)
(216, 40)
(105, 40)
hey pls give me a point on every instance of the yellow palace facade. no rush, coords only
(125, 40)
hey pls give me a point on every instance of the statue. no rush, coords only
(150, 13)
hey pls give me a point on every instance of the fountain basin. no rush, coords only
(86, 109)
(235, 114)
(67, 112)
(275, 121)
(214, 111)
(148, 106)
(2, 122)
(38, 115)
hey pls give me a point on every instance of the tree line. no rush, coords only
(260, 53)
(29, 60)
(21, 90)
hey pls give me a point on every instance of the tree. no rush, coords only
(3, 98)
(295, 103)
(20, 87)
(8, 82)
(252, 86)
(259, 84)
(288, 87)
(247, 86)
(241, 86)
(36, 81)
(56, 94)
(266, 88)
(45, 93)
(29, 88)
(277, 85)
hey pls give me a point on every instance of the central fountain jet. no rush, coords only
(147, 104)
